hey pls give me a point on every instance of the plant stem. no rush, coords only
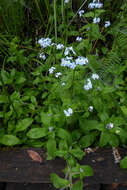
(55, 21)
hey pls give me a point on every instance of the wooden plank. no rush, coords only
(17, 166)
(34, 186)
(2, 186)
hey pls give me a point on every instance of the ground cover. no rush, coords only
(63, 79)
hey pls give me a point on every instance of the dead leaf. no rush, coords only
(35, 156)
(114, 185)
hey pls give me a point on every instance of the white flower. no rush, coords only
(66, 1)
(95, 4)
(65, 62)
(68, 112)
(51, 70)
(44, 42)
(96, 20)
(60, 46)
(63, 84)
(81, 60)
(53, 44)
(107, 24)
(42, 56)
(95, 76)
(50, 129)
(79, 39)
(90, 108)
(109, 126)
(81, 170)
(68, 50)
(58, 74)
(88, 86)
(81, 12)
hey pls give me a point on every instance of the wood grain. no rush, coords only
(17, 166)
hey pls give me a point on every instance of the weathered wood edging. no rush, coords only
(17, 166)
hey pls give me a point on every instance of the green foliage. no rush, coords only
(78, 103)
(123, 163)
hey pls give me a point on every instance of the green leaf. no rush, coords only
(3, 99)
(51, 148)
(88, 125)
(59, 182)
(123, 163)
(37, 133)
(45, 118)
(124, 110)
(15, 96)
(78, 185)
(5, 77)
(23, 124)
(104, 139)
(64, 134)
(87, 170)
(78, 153)
(87, 140)
(20, 78)
(89, 14)
(114, 140)
(10, 140)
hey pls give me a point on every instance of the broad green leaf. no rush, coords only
(10, 140)
(59, 182)
(87, 170)
(37, 133)
(3, 99)
(51, 148)
(23, 124)
(114, 140)
(15, 96)
(64, 134)
(20, 78)
(45, 118)
(123, 163)
(78, 153)
(5, 77)
(78, 185)
(124, 110)
(104, 138)
(87, 140)
(88, 125)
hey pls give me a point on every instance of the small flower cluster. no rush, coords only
(107, 24)
(66, 1)
(95, 4)
(88, 86)
(95, 76)
(90, 108)
(58, 74)
(81, 12)
(50, 129)
(44, 42)
(42, 56)
(68, 62)
(68, 50)
(96, 20)
(81, 60)
(109, 126)
(59, 46)
(51, 70)
(79, 39)
(68, 112)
